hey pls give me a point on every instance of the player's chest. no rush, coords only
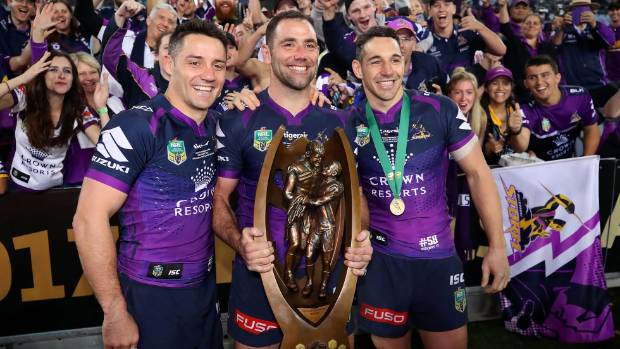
(424, 145)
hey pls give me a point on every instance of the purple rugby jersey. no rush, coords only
(555, 128)
(436, 128)
(165, 163)
(243, 139)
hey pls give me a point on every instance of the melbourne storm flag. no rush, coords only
(551, 225)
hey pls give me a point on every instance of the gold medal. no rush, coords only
(397, 206)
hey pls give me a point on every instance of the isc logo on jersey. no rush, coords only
(112, 141)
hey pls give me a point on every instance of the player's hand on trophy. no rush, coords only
(258, 255)
(357, 258)
(318, 98)
(495, 263)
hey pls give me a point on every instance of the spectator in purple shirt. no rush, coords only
(67, 36)
(582, 41)
(522, 44)
(14, 33)
(519, 10)
(556, 115)
(612, 59)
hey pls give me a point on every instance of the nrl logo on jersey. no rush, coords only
(176, 151)
(575, 118)
(362, 135)
(262, 139)
(419, 132)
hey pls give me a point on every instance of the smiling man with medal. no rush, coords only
(415, 278)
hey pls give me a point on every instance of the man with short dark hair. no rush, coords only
(402, 139)
(243, 138)
(454, 46)
(557, 114)
(156, 163)
(339, 38)
(14, 34)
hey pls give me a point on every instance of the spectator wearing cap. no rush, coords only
(454, 46)
(14, 34)
(339, 38)
(522, 45)
(504, 120)
(421, 69)
(582, 41)
(557, 114)
(612, 58)
(518, 10)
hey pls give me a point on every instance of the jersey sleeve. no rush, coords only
(229, 133)
(526, 115)
(460, 138)
(19, 99)
(88, 119)
(587, 111)
(124, 147)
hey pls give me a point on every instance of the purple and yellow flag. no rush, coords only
(551, 225)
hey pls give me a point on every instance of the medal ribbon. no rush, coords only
(394, 174)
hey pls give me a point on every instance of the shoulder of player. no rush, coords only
(138, 118)
(330, 111)
(437, 102)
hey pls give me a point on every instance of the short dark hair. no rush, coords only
(542, 60)
(374, 32)
(282, 16)
(230, 39)
(614, 6)
(196, 26)
(347, 4)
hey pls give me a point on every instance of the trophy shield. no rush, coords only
(319, 196)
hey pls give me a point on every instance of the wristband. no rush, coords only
(102, 110)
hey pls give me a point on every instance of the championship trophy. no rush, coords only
(314, 184)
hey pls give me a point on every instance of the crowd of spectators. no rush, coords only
(532, 77)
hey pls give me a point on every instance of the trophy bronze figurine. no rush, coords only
(314, 184)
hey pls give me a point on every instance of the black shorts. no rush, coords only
(174, 317)
(250, 318)
(398, 293)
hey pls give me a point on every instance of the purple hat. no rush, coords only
(401, 23)
(516, 2)
(497, 72)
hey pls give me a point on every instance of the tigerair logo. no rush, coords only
(384, 315)
(253, 325)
